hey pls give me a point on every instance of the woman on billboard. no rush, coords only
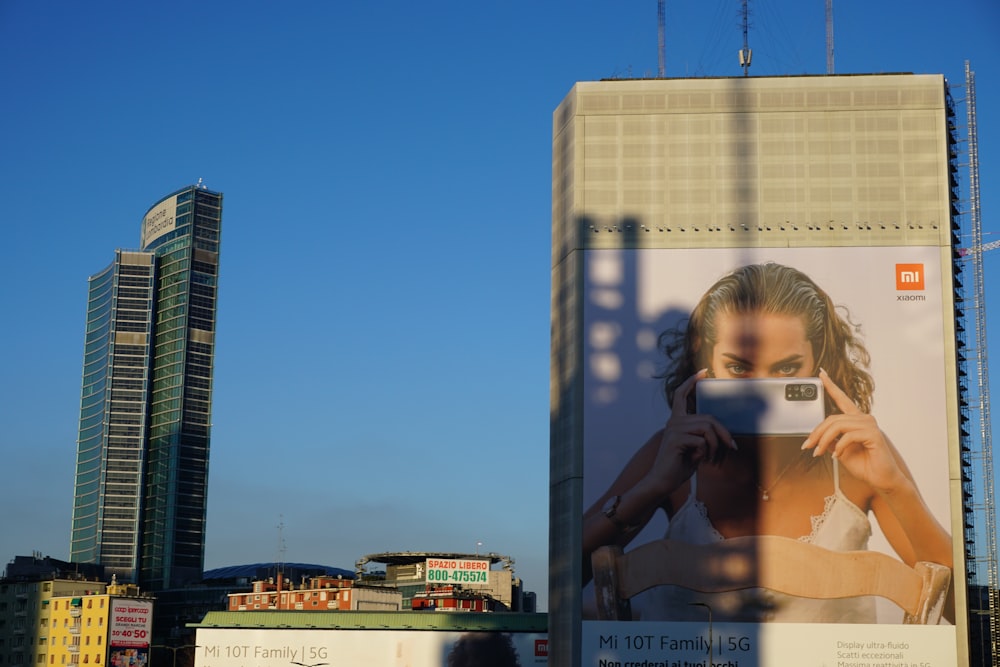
(727, 463)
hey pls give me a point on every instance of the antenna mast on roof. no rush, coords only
(829, 36)
(661, 33)
(746, 53)
(281, 543)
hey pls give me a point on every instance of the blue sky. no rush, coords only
(382, 364)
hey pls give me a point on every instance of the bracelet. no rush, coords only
(610, 510)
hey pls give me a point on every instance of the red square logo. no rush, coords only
(541, 648)
(909, 276)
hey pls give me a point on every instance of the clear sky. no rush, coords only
(382, 369)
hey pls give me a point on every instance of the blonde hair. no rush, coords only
(771, 288)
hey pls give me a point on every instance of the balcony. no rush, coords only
(75, 613)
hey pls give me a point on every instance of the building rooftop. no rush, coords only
(412, 557)
(370, 620)
(261, 571)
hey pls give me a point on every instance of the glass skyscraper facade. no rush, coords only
(142, 458)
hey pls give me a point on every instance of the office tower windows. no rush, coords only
(142, 462)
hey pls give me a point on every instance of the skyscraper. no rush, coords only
(142, 453)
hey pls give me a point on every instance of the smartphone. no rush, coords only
(763, 406)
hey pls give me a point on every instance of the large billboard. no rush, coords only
(385, 648)
(831, 382)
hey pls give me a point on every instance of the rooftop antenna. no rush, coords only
(829, 36)
(746, 53)
(281, 543)
(661, 34)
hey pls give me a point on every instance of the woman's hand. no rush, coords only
(688, 440)
(854, 439)
(658, 469)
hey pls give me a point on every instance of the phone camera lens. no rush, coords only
(808, 392)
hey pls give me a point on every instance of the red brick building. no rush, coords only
(318, 594)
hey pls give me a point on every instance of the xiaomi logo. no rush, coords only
(909, 276)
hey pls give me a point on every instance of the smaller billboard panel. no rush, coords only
(457, 571)
(129, 657)
(131, 623)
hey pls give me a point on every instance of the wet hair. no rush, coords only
(483, 649)
(772, 289)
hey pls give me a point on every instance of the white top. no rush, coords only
(841, 527)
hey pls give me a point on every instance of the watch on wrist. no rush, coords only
(610, 510)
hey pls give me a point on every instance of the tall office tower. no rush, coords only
(671, 197)
(145, 409)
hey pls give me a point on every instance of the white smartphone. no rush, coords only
(763, 406)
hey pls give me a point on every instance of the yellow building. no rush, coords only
(82, 630)
(25, 611)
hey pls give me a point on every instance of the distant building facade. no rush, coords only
(53, 613)
(102, 627)
(318, 594)
(145, 408)
(408, 571)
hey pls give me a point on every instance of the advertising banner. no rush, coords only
(794, 393)
(386, 648)
(131, 622)
(458, 571)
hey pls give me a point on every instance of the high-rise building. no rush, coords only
(145, 407)
(670, 198)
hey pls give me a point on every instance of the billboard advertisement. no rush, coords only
(799, 394)
(129, 632)
(131, 622)
(465, 571)
(386, 648)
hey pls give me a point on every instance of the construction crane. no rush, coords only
(980, 510)
(968, 252)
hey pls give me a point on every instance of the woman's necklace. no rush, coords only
(765, 494)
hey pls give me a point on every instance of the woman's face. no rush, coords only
(756, 345)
